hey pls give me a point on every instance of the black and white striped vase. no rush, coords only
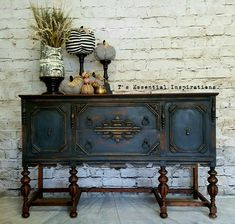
(81, 42)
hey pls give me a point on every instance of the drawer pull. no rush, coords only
(145, 144)
(88, 145)
(145, 121)
(187, 131)
(89, 121)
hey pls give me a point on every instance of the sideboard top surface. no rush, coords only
(123, 96)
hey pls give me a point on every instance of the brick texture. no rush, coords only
(170, 42)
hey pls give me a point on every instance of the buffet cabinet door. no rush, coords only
(126, 131)
(187, 129)
(46, 130)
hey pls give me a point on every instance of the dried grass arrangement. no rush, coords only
(53, 25)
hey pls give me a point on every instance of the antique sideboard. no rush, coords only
(164, 129)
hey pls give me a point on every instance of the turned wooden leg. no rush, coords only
(40, 181)
(163, 190)
(25, 190)
(195, 181)
(213, 191)
(73, 190)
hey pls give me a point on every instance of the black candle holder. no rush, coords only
(81, 61)
(105, 64)
(52, 84)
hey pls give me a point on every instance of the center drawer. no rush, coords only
(114, 129)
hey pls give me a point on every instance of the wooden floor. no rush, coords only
(116, 208)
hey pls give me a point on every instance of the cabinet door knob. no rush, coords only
(187, 131)
(49, 132)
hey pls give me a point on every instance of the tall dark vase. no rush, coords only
(51, 68)
(105, 64)
(52, 84)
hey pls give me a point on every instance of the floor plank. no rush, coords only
(116, 208)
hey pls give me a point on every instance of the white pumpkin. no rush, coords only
(104, 51)
(72, 86)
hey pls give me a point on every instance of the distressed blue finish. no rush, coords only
(102, 146)
(48, 130)
(187, 129)
(158, 128)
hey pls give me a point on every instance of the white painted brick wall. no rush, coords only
(170, 42)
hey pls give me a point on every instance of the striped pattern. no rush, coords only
(81, 42)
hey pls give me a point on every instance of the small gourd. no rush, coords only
(104, 51)
(96, 78)
(100, 89)
(87, 89)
